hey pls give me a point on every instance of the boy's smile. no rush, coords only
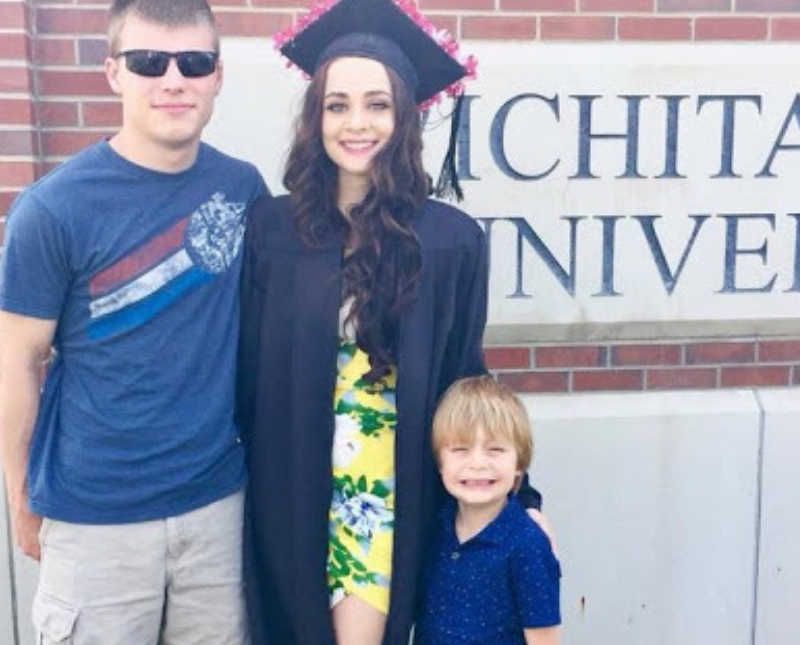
(480, 475)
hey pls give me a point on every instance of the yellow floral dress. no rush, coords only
(362, 508)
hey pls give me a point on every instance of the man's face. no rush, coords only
(165, 112)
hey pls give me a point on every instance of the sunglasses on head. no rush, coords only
(152, 62)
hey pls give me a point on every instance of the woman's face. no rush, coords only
(357, 115)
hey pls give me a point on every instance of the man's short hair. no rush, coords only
(171, 13)
(482, 402)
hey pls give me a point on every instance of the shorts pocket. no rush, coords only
(54, 620)
(43, 530)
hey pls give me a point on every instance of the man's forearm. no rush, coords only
(20, 373)
(19, 403)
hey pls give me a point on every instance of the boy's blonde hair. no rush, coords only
(482, 402)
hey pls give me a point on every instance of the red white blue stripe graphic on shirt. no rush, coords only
(152, 277)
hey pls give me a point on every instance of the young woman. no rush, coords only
(363, 300)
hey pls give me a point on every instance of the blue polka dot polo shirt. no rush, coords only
(486, 590)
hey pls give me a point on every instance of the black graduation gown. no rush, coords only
(287, 370)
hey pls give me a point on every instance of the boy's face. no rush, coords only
(167, 111)
(481, 474)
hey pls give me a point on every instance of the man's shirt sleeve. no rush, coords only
(34, 271)
(535, 580)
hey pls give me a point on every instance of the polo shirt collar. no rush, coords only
(495, 533)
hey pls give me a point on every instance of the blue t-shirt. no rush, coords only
(486, 590)
(140, 269)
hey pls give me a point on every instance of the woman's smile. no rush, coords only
(357, 117)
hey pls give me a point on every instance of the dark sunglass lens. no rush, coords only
(147, 62)
(194, 64)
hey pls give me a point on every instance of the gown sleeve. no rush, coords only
(464, 353)
(251, 302)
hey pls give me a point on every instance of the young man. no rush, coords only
(126, 260)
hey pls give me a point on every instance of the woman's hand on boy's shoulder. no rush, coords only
(537, 516)
(542, 635)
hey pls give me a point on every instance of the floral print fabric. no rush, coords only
(362, 507)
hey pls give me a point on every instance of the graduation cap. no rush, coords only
(394, 33)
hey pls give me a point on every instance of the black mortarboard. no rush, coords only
(379, 29)
(392, 32)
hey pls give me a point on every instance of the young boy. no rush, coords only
(492, 578)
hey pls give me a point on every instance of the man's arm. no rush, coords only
(542, 635)
(24, 346)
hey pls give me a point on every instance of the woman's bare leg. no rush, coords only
(357, 623)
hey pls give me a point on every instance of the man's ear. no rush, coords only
(219, 76)
(112, 69)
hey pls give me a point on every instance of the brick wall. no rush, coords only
(700, 364)
(54, 100)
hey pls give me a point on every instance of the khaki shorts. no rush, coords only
(176, 581)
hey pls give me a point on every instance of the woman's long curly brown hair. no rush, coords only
(384, 265)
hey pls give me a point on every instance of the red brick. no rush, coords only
(765, 6)
(246, 23)
(61, 144)
(577, 28)
(607, 380)
(674, 379)
(507, 357)
(14, 79)
(15, 46)
(694, 5)
(786, 29)
(744, 352)
(55, 51)
(39, 170)
(426, 5)
(73, 83)
(238, 3)
(102, 113)
(535, 381)
(498, 27)
(12, 15)
(771, 351)
(17, 142)
(6, 197)
(617, 5)
(730, 28)
(16, 111)
(654, 29)
(71, 21)
(645, 354)
(754, 376)
(52, 113)
(796, 378)
(92, 51)
(16, 173)
(3, 232)
(443, 21)
(570, 356)
(538, 5)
